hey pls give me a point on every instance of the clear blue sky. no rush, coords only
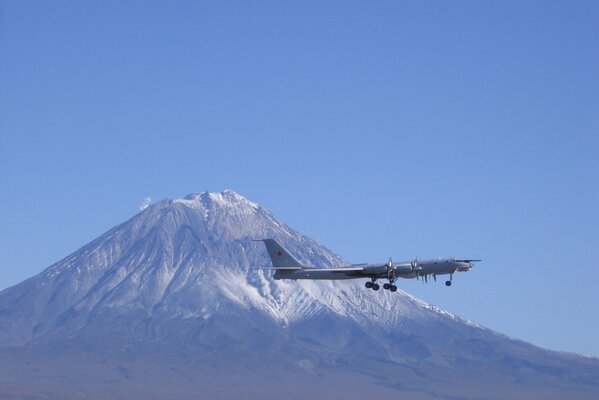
(377, 128)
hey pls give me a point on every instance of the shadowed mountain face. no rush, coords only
(170, 304)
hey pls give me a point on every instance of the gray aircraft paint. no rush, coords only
(287, 267)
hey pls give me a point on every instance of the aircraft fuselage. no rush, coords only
(288, 267)
(440, 266)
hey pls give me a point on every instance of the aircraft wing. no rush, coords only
(367, 271)
(341, 270)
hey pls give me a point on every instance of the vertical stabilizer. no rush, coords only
(279, 256)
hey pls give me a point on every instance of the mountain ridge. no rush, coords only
(181, 274)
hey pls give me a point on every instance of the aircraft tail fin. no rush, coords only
(281, 259)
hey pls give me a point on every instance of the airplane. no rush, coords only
(287, 267)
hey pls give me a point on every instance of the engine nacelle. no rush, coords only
(402, 268)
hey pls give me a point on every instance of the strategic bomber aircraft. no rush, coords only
(287, 267)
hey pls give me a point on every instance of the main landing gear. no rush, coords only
(448, 283)
(390, 286)
(375, 286)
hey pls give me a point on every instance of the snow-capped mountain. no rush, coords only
(172, 304)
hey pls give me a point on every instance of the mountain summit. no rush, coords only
(171, 304)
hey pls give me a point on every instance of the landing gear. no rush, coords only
(390, 286)
(372, 285)
(448, 283)
(375, 286)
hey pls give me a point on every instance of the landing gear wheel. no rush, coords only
(368, 285)
(447, 283)
(375, 286)
(393, 288)
(386, 286)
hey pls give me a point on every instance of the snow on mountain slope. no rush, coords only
(183, 274)
(183, 257)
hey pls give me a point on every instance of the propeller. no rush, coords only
(415, 268)
(390, 271)
(414, 264)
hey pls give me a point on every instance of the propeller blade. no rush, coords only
(414, 264)
(390, 271)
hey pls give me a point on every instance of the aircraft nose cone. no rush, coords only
(465, 266)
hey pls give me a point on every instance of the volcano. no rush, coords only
(171, 304)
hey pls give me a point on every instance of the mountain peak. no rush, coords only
(227, 199)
